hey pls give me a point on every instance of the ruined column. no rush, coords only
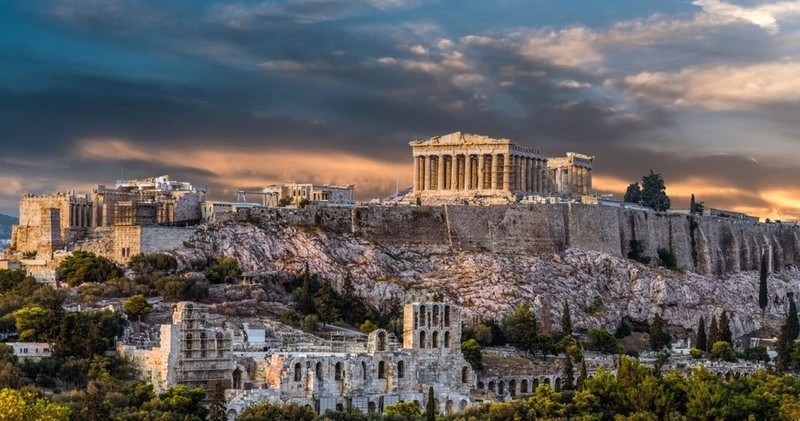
(480, 172)
(415, 180)
(440, 172)
(453, 172)
(426, 177)
(507, 172)
(468, 172)
(495, 172)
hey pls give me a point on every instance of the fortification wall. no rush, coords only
(707, 245)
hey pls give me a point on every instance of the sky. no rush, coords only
(241, 94)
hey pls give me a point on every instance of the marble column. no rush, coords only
(453, 172)
(426, 172)
(507, 172)
(495, 172)
(440, 172)
(588, 180)
(529, 174)
(468, 172)
(416, 174)
(480, 172)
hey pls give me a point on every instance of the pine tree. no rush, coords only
(713, 333)
(791, 321)
(566, 321)
(216, 408)
(523, 329)
(762, 287)
(430, 407)
(692, 209)
(654, 194)
(633, 194)
(701, 335)
(724, 329)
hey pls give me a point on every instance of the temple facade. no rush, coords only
(468, 165)
(571, 174)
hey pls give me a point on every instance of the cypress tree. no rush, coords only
(430, 407)
(216, 408)
(569, 372)
(713, 333)
(582, 376)
(724, 329)
(762, 286)
(659, 338)
(702, 342)
(692, 209)
(566, 321)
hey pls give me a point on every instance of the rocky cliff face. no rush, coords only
(601, 287)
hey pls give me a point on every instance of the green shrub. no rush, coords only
(667, 258)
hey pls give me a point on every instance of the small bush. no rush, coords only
(668, 259)
(637, 252)
(696, 353)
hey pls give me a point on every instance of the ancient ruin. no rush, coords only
(460, 166)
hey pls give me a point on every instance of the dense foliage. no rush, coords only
(85, 266)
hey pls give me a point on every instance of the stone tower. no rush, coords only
(432, 327)
(51, 232)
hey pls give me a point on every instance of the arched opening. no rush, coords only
(464, 374)
(512, 387)
(339, 407)
(189, 339)
(491, 386)
(535, 384)
(339, 371)
(381, 370)
(547, 381)
(364, 370)
(523, 386)
(236, 381)
(448, 407)
(435, 340)
(381, 341)
(557, 383)
(422, 316)
(446, 316)
(202, 340)
(298, 373)
(318, 370)
(435, 316)
(447, 339)
(481, 385)
(422, 339)
(462, 405)
(401, 369)
(501, 387)
(371, 408)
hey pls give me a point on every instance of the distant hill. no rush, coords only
(5, 226)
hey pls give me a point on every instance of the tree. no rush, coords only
(701, 335)
(523, 329)
(137, 306)
(603, 341)
(304, 295)
(762, 286)
(267, 411)
(667, 258)
(786, 338)
(472, 353)
(659, 337)
(722, 350)
(582, 375)
(216, 408)
(713, 333)
(85, 266)
(566, 321)
(654, 194)
(32, 323)
(568, 371)
(724, 329)
(326, 302)
(368, 327)
(404, 410)
(696, 208)
(633, 194)
(25, 405)
(430, 406)
(636, 252)
(224, 270)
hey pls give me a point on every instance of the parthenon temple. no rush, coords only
(461, 165)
